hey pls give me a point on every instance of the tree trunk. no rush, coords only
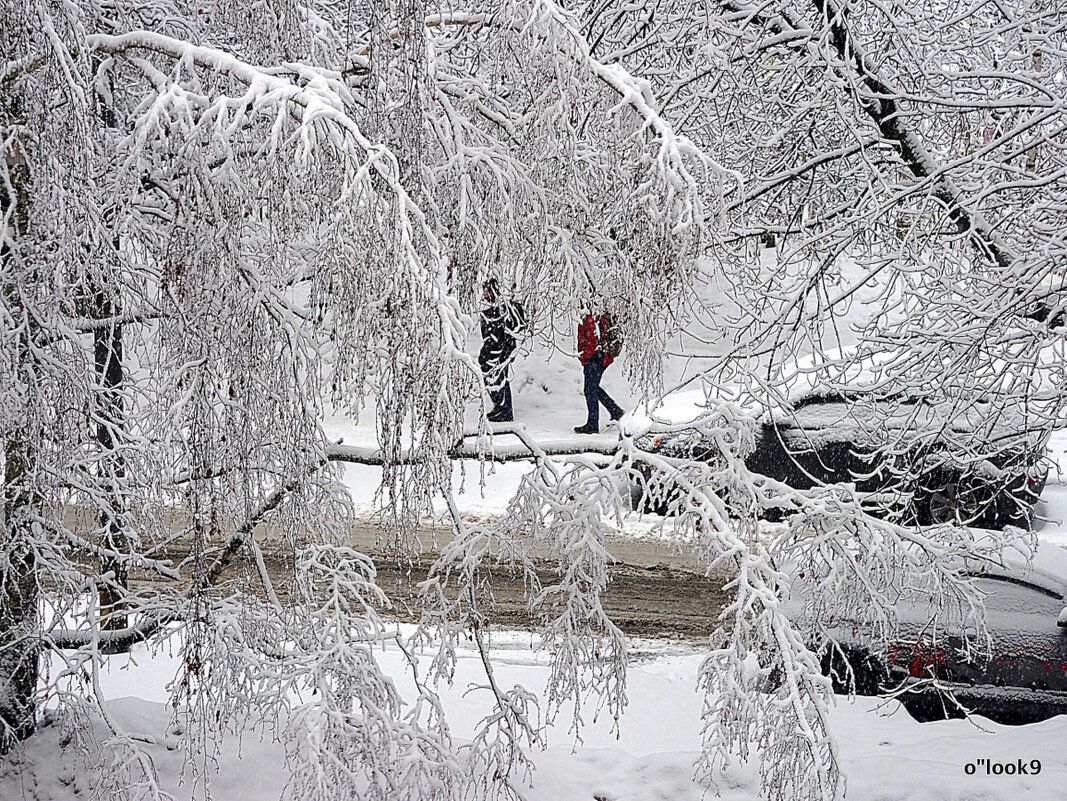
(1031, 155)
(110, 421)
(19, 591)
(878, 101)
(107, 351)
(881, 106)
(19, 649)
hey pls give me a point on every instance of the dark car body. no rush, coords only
(917, 463)
(1020, 678)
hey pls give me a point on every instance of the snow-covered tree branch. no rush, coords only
(222, 224)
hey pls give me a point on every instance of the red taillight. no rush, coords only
(922, 661)
(922, 657)
(919, 656)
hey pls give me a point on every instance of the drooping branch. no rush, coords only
(111, 639)
(880, 104)
(64, 639)
(89, 325)
(878, 99)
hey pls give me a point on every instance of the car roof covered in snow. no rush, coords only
(1047, 568)
(863, 417)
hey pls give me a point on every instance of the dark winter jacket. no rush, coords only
(501, 322)
(590, 337)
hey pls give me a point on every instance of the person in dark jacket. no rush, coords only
(592, 334)
(501, 321)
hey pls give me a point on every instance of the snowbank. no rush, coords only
(884, 753)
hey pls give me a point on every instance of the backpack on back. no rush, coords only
(611, 337)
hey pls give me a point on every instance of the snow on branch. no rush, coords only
(484, 447)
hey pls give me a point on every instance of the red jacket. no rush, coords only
(590, 334)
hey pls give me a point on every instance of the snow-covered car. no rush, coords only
(1021, 678)
(917, 463)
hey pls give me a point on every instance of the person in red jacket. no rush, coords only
(592, 335)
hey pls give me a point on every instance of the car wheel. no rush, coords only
(949, 504)
(868, 674)
(643, 498)
(930, 707)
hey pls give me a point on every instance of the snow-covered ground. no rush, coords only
(884, 753)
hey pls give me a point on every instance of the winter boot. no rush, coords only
(500, 416)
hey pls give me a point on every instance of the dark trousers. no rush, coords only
(595, 394)
(500, 395)
(495, 369)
